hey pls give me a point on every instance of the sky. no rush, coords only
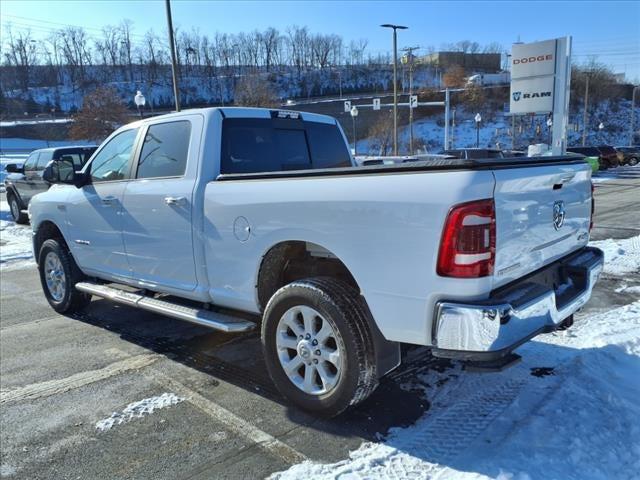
(606, 30)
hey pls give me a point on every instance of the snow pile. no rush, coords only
(15, 241)
(621, 257)
(138, 410)
(579, 419)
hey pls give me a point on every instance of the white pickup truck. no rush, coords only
(203, 214)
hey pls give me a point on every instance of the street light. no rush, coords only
(395, 82)
(407, 59)
(140, 101)
(354, 114)
(633, 115)
(549, 125)
(478, 119)
(600, 129)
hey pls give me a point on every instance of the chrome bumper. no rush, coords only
(490, 329)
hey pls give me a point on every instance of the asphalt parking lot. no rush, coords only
(61, 375)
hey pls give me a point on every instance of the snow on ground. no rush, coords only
(139, 409)
(620, 256)
(15, 241)
(569, 410)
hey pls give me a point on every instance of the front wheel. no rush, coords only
(58, 275)
(16, 211)
(318, 347)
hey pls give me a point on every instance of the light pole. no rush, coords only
(633, 115)
(549, 125)
(453, 128)
(139, 101)
(407, 59)
(478, 119)
(395, 82)
(354, 114)
(600, 129)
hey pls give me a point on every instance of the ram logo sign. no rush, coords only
(532, 95)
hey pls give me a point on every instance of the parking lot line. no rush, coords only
(234, 423)
(53, 387)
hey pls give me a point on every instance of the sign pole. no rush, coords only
(561, 96)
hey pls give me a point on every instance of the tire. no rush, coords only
(58, 276)
(339, 306)
(633, 161)
(16, 209)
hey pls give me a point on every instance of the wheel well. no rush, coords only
(294, 260)
(46, 230)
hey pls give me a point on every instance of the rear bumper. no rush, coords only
(491, 329)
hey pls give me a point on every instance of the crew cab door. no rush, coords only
(37, 184)
(158, 205)
(95, 212)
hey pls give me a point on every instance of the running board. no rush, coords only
(199, 316)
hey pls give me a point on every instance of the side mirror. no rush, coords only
(80, 179)
(14, 168)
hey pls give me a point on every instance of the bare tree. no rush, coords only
(21, 54)
(253, 91)
(381, 134)
(102, 112)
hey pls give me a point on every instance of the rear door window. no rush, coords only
(253, 145)
(45, 157)
(327, 146)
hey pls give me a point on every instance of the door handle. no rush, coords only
(108, 200)
(174, 200)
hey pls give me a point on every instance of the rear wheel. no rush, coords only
(58, 275)
(318, 347)
(633, 161)
(16, 210)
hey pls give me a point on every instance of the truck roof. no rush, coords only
(239, 112)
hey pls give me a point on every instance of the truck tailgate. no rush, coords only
(542, 214)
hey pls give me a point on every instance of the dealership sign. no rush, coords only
(533, 69)
(532, 95)
(540, 76)
(533, 59)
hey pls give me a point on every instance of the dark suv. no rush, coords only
(604, 160)
(24, 182)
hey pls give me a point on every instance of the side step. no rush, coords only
(217, 321)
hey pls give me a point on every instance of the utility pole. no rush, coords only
(174, 66)
(395, 82)
(585, 118)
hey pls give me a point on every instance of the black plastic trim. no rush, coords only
(411, 167)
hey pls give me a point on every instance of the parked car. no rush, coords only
(24, 181)
(629, 155)
(201, 213)
(591, 152)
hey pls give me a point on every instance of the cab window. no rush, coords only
(31, 162)
(113, 161)
(43, 160)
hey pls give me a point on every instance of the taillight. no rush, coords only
(593, 206)
(468, 244)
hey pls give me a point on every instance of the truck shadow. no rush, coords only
(237, 359)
